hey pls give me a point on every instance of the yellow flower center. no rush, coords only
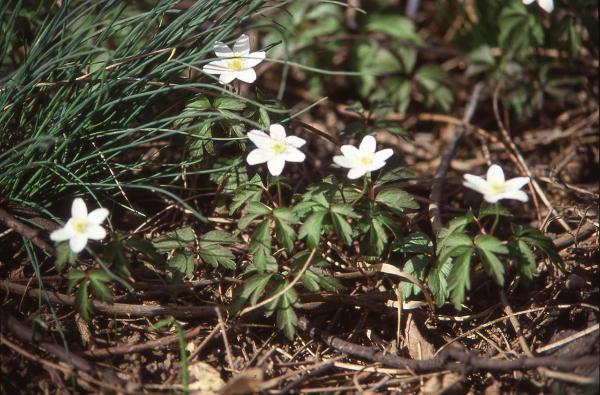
(278, 146)
(496, 187)
(365, 160)
(79, 225)
(235, 64)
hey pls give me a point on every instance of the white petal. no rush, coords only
(343, 161)
(514, 184)
(242, 45)
(258, 156)
(253, 59)
(495, 175)
(96, 232)
(260, 138)
(62, 234)
(493, 198)
(350, 151)
(248, 75)
(476, 183)
(295, 141)
(383, 155)
(222, 50)
(275, 165)
(228, 76)
(277, 131)
(78, 242)
(368, 145)
(547, 5)
(97, 216)
(292, 154)
(356, 172)
(375, 166)
(78, 208)
(527, 2)
(515, 195)
(216, 67)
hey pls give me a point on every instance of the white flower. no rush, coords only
(234, 64)
(547, 5)
(81, 226)
(275, 148)
(495, 188)
(363, 159)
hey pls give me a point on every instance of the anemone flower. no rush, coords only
(275, 148)
(364, 159)
(494, 187)
(237, 63)
(546, 5)
(82, 226)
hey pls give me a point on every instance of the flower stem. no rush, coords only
(364, 190)
(496, 218)
(279, 198)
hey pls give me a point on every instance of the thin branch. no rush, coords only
(437, 188)
(450, 358)
(132, 310)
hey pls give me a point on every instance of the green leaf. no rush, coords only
(182, 265)
(397, 199)
(217, 237)
(217, 256)
(253, 211)
(395, 26)
(164, 323)
(394, 173)
(261, 239)
(82, 302)
(285, 214)
(99, 275)
(454, 226)
(454, 245)
(492, 264)
(438, 281)
(178, 238)
(342, 228)
(251, 290)
(311, 228)
(229, 103)
(522, 254)
(101, 291)
(482, 60)
(64, 256)
(491, 244)
(459, 279)
(343, 209)
(286, 235)
(286, 316)
(518, 30)
(417, 266)
(263, 262)
(490, 210)
(74, 276)
(250, 191)
(415, 243)
(146, 248)
(535, 238)
(376, 239)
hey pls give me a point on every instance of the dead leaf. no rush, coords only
(246, 382)
(204, 379)
(418, 346)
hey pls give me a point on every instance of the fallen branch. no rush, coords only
(131, 310)
(73, 360)
(450, 358)
(25, 231)
(435, 196)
